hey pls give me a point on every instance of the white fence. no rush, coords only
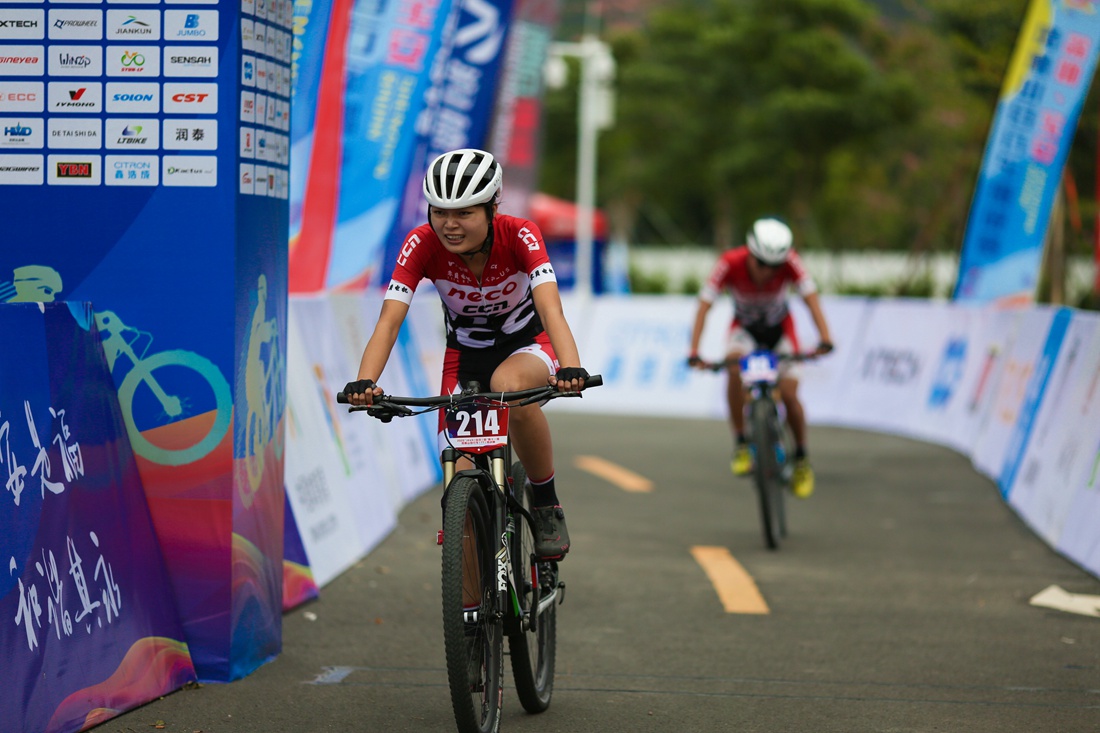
(1015, 390)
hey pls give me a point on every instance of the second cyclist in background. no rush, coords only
(759, 276)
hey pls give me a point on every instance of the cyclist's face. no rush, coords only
(760, 271)
(461, 230)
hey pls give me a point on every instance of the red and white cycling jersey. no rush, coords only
(756, 307)
(497, 311)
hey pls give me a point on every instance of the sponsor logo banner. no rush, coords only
(131, 170)
(76, 25)
(75, 96)
(191, 61)
(133, 25)
(73, 170)
(132, 134)
(190, 170)
(122, 97)
(191, 99)
(22, 23)
(191, 25)
(68, 60)
(85, 134)
(21, 170)
(22, 96)
(194, 134)
(22, 60)
(133, 61)
(21, 132)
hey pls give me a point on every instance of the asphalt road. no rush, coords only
(899, 603)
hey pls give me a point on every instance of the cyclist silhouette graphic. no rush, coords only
(263, 379)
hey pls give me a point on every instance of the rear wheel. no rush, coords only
(767, 470)
(532, 640)
(472, 628)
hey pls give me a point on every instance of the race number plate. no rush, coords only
(760, 366)
(478, 427)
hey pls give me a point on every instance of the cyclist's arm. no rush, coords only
(377, 351)
(697, 329)
(813, 302)
(548, 304)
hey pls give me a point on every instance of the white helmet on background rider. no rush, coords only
(770, 241)
(463, 178)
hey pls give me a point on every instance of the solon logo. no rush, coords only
(133, 98)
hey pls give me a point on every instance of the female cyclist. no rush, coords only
(758, 275)
(503, 313)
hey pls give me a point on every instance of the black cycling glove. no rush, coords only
(568, 374)
(360, 386)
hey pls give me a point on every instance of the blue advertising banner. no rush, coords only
(89, 627)
(144, 158)
(390, 50)
(1030, 137)
(459, 107)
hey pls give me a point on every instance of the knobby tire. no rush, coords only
(474, 645)
(767, 470)
(532, 652)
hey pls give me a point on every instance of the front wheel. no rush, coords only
(472, 627)
(532, 641)
(768, 471)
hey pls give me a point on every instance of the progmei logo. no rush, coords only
(74, 170)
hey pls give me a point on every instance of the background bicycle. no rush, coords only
(769, 436)
(493, 583)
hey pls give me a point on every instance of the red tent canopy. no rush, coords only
(557, 218)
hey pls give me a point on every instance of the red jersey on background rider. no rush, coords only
(505, 325)
(759, 276)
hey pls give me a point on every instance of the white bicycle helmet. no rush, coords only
(462, 178)
(770, 241)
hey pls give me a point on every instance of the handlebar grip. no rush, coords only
(594, 380)
(341, 398)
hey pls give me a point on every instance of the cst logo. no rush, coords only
(189, 98)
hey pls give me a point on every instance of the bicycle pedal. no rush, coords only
(439, 537)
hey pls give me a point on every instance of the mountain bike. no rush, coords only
(493, 583)
(769, 438)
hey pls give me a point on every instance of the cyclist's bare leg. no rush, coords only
(796, 416)
(735, 397)
(530, 431)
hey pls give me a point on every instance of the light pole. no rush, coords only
(595, 112)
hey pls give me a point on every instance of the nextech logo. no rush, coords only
(23, 24)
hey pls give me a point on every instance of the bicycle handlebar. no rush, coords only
(386, 407)
(717, 366)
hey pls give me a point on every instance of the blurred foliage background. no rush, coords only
(862, 123)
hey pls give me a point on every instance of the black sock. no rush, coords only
(799, 452)
(544, 493)
(741, 439)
